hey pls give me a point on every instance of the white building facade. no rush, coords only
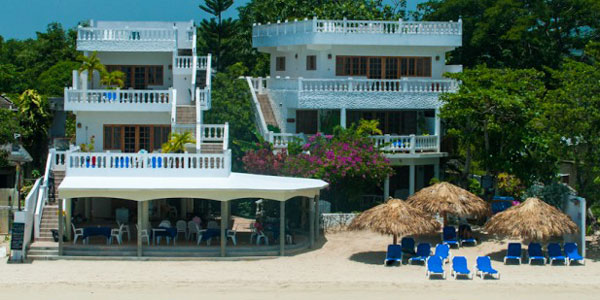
(325, 73)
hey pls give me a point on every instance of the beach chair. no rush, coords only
(449, 236)
(77, 232)
(181, 226)
(192, 230)
(408, 245)
(513, 252)
(143, 234)
(484, 267)
(572, 253)
(459, 267)
(423, 252)
(434, 266)
(534, 252)
(555, 254)
(394, 255)
(462, 239)
(443, 251)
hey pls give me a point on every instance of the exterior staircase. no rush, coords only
(58, 177)
(186, 114)
(49, 222)
(267, 109)
(43, 251)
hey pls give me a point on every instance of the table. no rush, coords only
(211, 233)
(168, 232)
(96, 231)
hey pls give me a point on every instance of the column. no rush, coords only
(386, 188)
(281, 228)
(68, 206)
(183, 210)
(438, 128)
(311, 222)
(146, 215)
(61, 228)
(140, 218)
(411, 179)
(223, 227)
(88, 208)
(436, 170)
(343, 117)
(317, 219)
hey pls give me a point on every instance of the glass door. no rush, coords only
(144, 138)
(129, 139)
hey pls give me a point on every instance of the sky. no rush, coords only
(20, 19)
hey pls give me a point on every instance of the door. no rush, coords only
(129, 139)
(139, 80)
(307, 121)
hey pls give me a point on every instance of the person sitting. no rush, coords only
(258, 225)
(197, 220)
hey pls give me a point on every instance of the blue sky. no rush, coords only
(22, 18)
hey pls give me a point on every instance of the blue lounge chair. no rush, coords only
(443, 251)
(555, 253)
(572, 253)
(394, 255)
(484, 267)
(449, 236)
(534, 252)
(423, 252)
(459, 267)
(463, 239)
(435, 267)
(513, 252)
(408, 245)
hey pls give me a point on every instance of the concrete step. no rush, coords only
(42, 257)
(267, 110)
(45, 239)
(44, 252)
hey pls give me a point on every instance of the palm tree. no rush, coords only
(113, 79)
(91, 64)
(177, 141)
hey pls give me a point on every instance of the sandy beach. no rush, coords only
(347, 265)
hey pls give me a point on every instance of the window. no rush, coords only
(139, 77)
(311, 62)
(133, 138)
(383, 67)
(280, 63)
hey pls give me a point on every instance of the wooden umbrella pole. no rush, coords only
(395, 239)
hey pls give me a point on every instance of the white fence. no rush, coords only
(404, 85)
(186, 62)
(107, 34)
(118, 97)
(406, 143)
(282, 140)
(337, 221)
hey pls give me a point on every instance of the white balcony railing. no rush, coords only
(282, 140)
(203, 98)
(186, 62)
(148, 164)
(99, 100)
(399, 27)
(404, 85)
(406, 143)
(108, 34)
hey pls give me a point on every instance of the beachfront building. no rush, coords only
(325, 73)
(117, 185)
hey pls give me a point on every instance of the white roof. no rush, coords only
(236, 186)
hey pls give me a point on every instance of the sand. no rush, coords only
(348, 265)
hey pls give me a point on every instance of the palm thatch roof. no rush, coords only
(397, 218)
(532, 220)
(445, 198)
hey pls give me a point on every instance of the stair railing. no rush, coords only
(261, 124)
(42, 196)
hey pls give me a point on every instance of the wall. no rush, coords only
(92, 123)
(296, 67)
(142, 58)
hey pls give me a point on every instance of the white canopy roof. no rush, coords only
(237, 185)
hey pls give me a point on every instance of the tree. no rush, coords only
(495, 118)
(90, 64)
(53, 81)
(516, 33)
(177, 142)
(8, 127)
(114, 79)
(216, 34)
(35, 118)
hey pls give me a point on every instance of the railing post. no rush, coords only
(344, 26)
(226, 136)
(413, 140)
(314, 24)
(300, 84)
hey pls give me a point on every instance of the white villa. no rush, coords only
(124, 187)
(330, 72)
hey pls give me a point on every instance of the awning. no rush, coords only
(236, 186)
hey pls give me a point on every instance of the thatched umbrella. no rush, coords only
(397, 218)
(445, 198)
(532, 220)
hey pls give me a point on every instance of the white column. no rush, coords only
(183, 211)
(438, 128)
(436, 170)
(411, 180)
(223, 227)
(317, 219)
(61, 227)
(386, 188)
(281, 228)
(140, 218)
(88, 208)
(343, 117)
(68, 209)
(311, 221)
(146, 215)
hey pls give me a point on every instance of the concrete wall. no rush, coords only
(92, 123)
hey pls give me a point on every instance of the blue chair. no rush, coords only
(555, 254)
(572, 253)
(394, 255)
(408, 245)
(534, 252)
(513, 252)
(484, 267)
(449, 236)
(465, 239)
(443, 251)
(423, 252)
(459, 267)
(435, 266)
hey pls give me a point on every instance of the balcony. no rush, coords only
(119, 100)
(360, 93)
(355, 32)
(110, 39)
(184, 64)
(149, 164)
